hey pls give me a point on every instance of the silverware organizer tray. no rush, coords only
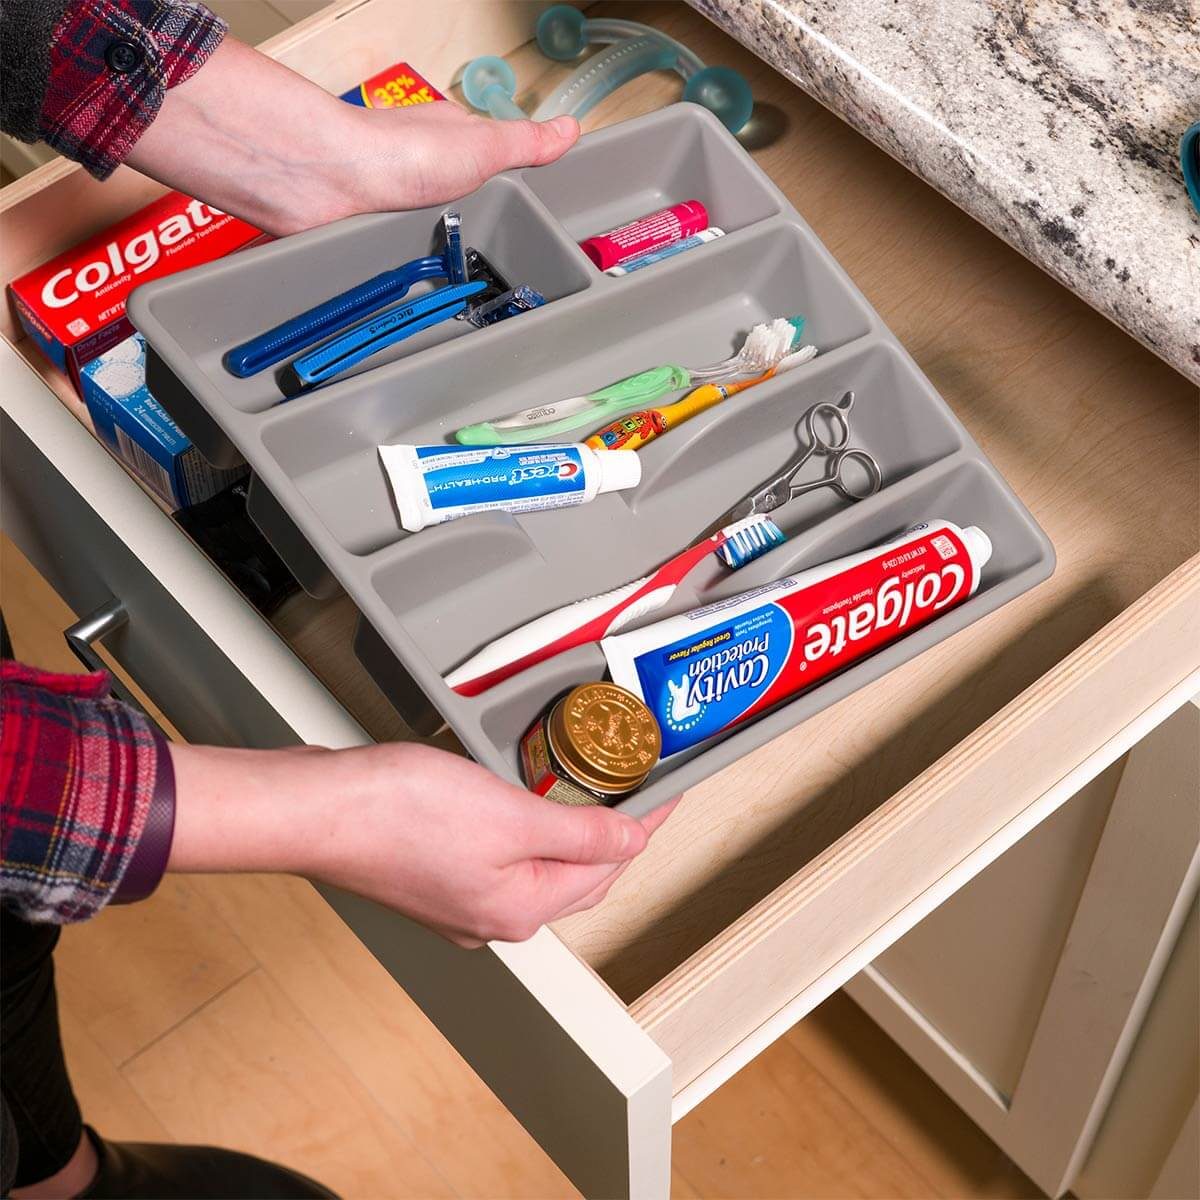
(429, 600)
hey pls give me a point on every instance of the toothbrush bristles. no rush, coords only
(749, 539)
(765, 346)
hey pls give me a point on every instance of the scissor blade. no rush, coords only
(741, 510)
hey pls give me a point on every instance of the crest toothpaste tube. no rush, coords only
(668, 251)
(432, 484)
(704, 672)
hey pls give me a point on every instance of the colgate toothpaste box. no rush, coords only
(74, 305)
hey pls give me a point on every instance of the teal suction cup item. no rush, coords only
(1189, 157)
(488, 84)
(564, 32)
(724, 92)
(560, 33)
(603, 73)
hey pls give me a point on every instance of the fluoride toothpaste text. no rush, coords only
(703, 672)
(433, 484)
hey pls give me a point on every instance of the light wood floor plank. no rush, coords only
(249, 1072)
(138, 970)
(412, 1072)
(854, 1056)
(109, 1104)
(778, 1129)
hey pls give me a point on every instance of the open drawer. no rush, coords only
(779, 878)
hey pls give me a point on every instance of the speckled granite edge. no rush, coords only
(1055, 125)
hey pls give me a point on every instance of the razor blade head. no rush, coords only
(507, 304)
(478, 267)
(457, 270)
(749, 539)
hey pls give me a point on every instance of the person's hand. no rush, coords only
(252, 138)
(435, 836)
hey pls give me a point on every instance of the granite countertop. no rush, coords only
(1056, 123)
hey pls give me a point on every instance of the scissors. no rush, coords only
(781, 488)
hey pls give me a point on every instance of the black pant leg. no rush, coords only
(36, 1088)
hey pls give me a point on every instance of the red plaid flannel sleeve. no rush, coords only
(78, 775)
(111, 63)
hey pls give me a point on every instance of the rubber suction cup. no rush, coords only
(560, 33)
(724, 92)
(482, 74)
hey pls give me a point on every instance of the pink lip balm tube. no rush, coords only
(646, 233)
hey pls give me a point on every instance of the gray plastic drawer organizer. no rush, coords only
(429, 600)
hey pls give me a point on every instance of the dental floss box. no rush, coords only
(73, 306)
(399, 86)
(139, 432)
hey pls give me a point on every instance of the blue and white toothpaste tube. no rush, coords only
(433, 484)
(706, 671)
(668, 251)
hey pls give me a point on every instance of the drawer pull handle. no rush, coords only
(100, 622)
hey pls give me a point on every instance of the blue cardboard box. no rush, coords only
(139, 431)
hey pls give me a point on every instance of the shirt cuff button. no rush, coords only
(123, 57)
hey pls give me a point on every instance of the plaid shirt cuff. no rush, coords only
(78, 778)
(111, 63)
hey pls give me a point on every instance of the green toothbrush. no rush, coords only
(765, 346)
(549, 420)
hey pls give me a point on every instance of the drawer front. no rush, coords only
(778, 961)
(206, 658)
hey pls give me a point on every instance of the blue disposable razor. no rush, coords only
(294, 334)
(342, 353)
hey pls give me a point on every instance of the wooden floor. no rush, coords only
(240, 1011)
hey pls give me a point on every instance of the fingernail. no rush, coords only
(633, 837)
(566, 126)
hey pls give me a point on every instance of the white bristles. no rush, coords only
(765, 346)
(748, 539)
(803, 355)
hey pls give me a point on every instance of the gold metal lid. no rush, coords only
(605, 737)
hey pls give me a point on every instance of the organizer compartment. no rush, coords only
(210, 314)
(628, 171)
(428, 601)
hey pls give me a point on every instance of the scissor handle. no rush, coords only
(834, 477)
(838, 479)
(838, 416)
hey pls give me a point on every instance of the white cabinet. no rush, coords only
(1055, 997)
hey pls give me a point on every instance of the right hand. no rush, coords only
(437, 837)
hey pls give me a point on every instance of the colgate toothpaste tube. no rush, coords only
(706, 671)
(645, 234)
(74, 305)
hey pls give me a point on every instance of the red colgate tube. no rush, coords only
(645, 234)
(705, 671)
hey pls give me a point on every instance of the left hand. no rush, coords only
(252, 138)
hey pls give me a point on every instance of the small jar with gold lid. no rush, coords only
(595, 745)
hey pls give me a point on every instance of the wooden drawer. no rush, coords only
(778, 880)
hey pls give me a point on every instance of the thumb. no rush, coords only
(531, 143)
(584, 835)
